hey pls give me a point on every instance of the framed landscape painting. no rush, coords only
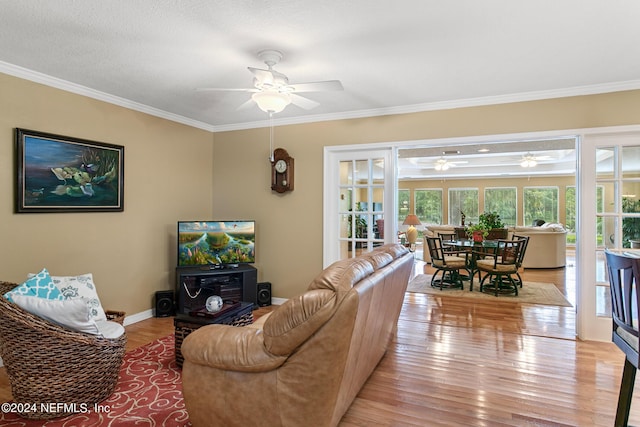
(63, 174)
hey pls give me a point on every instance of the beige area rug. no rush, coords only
(530, 293)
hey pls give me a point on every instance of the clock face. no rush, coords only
(281, 166)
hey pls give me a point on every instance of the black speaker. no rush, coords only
(164, 304)
(264, 294)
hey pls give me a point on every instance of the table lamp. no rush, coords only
(412, 233)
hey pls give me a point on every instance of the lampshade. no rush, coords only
(411, 220)
(412, 233)
(271, 101)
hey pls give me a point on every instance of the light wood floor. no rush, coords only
(485, 363)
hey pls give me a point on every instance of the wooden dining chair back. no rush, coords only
(500, 266)
(447, 265)
(624, 272)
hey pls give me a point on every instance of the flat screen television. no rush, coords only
(214, 243)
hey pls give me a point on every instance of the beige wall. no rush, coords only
(168, 172)
(289, 235)
(175, 172)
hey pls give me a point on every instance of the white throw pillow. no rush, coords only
(81, 286)
(71, 313)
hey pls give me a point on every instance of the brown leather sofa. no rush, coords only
(305, 362)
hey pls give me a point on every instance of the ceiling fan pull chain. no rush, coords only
(271, 136)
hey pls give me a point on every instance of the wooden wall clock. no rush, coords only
(281, 171)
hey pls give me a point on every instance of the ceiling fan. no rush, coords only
(529, 160)
(443, 164)
(272, 91)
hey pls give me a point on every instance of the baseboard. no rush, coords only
(138, 317)
(278, 301)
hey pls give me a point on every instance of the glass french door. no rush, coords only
(609, 218)
(359, 193)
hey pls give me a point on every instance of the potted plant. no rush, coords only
(494, 225)
(477, 232)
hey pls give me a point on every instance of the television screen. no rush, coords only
(216, 242)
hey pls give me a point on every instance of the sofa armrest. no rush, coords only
(230, 348)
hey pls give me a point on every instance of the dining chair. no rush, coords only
(523, 252)
(447, 265)
(499, 267)
(624, 272)
(449, 237)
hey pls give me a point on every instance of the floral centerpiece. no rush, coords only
(477, 232)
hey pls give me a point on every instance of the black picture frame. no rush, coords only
(56, 173)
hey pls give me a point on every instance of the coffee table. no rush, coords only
(185, 324)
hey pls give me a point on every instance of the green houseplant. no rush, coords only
(494, 225)
(490, 220)
(477, 232)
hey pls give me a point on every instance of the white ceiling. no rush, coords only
(391, 56)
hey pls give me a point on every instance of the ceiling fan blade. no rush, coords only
(262, 76)
(325, 86)
(249, 103)
(303, 102)
(221, 89)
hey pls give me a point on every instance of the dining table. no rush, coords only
(473, 249)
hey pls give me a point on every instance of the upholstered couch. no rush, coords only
(547, 244)
(305, 362)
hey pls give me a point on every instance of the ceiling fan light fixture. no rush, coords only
(442, 165)
(528, 161)
(271, 102)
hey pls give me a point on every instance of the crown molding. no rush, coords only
(34, 76)
(47, 80)
(445, 105)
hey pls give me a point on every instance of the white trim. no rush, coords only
(333, 155)
(138, 317)
(67, 86)
(444, 105)
(278, 301)
(24, 73)
(585, 250)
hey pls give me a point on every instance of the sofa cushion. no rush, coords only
(109, 329)
(297, 319)
(38, 285)
(378, 259)
(342, 275)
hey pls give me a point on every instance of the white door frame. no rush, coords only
(589, 326)
(332, 158)
(586, 321)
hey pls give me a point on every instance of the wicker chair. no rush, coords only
(47, 363)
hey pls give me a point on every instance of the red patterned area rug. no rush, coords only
(149, 393)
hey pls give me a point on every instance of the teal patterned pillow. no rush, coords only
(40, 286)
